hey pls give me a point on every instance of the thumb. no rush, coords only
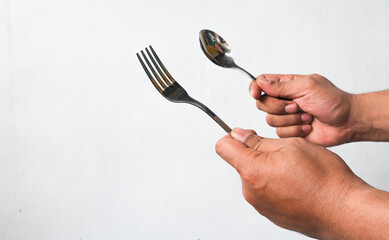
(235, 151)
(240, 147)
(283, 86)
(255, 142)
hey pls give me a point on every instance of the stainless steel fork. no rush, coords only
(169, 88)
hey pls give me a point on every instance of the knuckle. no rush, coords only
(254, 141)
(248, 196)
(282, 88)
(259, 105)
(282, 132)
(261, 76)
(315, 75)
(289, 131)
(270, 120)
(298, 118)
(248, 176)
(310, 82)
(271, 105)
(257, 145)
(254, 187)
(295, 130)
(279, 132)
(219, 147)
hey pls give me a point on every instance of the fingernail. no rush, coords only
(264, 80)
(291, 108)
(306, 128)
(240, 134)
(305, 117)
(251, 92)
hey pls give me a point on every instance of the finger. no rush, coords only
(279, 77)
(255, 90)
(288, 77)
(255, 142)
(285, 86)
(240, 147)
(252, 131)
(288, 120)
(274, 105)
(235, 152)
(294, 131)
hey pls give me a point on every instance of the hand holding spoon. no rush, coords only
(218, 51)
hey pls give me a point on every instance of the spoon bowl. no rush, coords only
(218, 51)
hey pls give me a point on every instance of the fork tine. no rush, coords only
(161, 64)
(159, 69)
(149, 74)
(163, 85)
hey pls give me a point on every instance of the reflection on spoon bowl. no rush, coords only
(218, 51)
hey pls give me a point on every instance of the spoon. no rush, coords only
(218, 51)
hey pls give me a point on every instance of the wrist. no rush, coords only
(358, 126)
(356, 210)
(336, 208)
(369, 117)
(365, 215)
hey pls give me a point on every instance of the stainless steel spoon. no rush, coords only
(218, 51)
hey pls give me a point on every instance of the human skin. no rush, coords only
(304, 187)
(310, 106)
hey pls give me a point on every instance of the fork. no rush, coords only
(169, 88)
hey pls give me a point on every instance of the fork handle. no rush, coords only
(210, 113)
(222, 124)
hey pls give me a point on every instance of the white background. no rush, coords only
(90, 150)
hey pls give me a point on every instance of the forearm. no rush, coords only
(369, 120)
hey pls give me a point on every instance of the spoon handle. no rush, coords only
(244, 71)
